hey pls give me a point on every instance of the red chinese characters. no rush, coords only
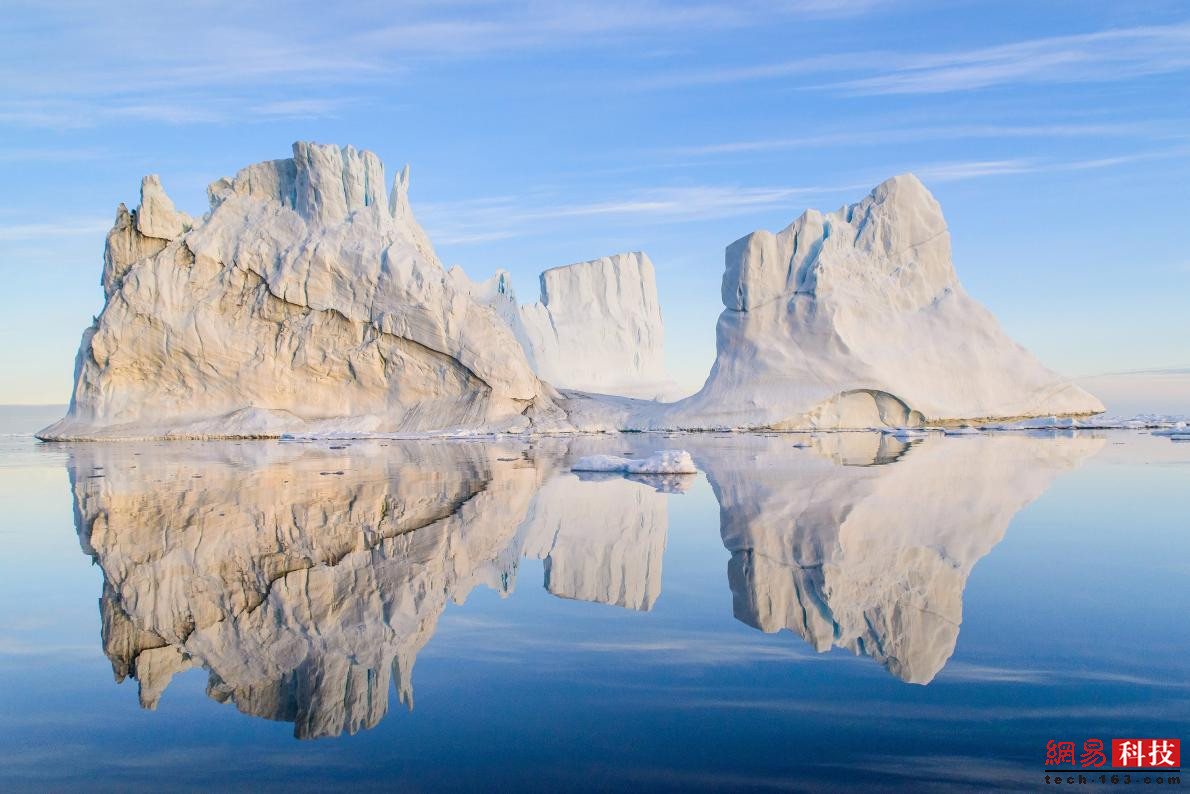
(1125, 754)
(1057, 753)
(1093, 753)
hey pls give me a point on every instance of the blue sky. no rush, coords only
(1054, 134)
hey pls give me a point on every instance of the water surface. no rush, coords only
(809, 612)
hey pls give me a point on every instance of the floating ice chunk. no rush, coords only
(1168, 424)
(1177, 429)
(963, 430)
(905, 433)
(667, 461)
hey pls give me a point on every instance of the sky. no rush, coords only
(1054, 134)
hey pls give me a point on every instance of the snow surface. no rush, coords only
(666, 461)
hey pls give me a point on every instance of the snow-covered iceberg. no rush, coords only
(305, 300)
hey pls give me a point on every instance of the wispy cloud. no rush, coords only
(297, 108)
(1102, 56)
(70, 228)
(91, 62)
(884, 136)
(479, 220)
(81, 112)
(972, 169)
(951, 172)
(55, 154)
(1091, 57)
(815, 64)
(488, 27)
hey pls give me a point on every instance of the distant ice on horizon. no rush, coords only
(1155, 391)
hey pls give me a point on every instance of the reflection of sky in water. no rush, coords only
(1072, 625)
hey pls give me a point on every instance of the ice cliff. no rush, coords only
(595, 328)
(305, 300)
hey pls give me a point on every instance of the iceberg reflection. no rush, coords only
(305, 578)
(873, 555)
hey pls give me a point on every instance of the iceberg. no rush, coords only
(857, 319)
(306, 300)
(308, 303)
(595, 328)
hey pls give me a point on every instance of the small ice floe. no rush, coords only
(905, 433)
(1165, 422)
(961, 430)
(1179, 432)
(667, 461)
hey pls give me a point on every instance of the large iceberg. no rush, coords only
(857, 319)
(305, 300)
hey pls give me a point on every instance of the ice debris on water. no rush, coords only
(666, 461)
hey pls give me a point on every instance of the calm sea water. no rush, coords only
(809, 612)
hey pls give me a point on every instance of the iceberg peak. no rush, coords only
(156, 216)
